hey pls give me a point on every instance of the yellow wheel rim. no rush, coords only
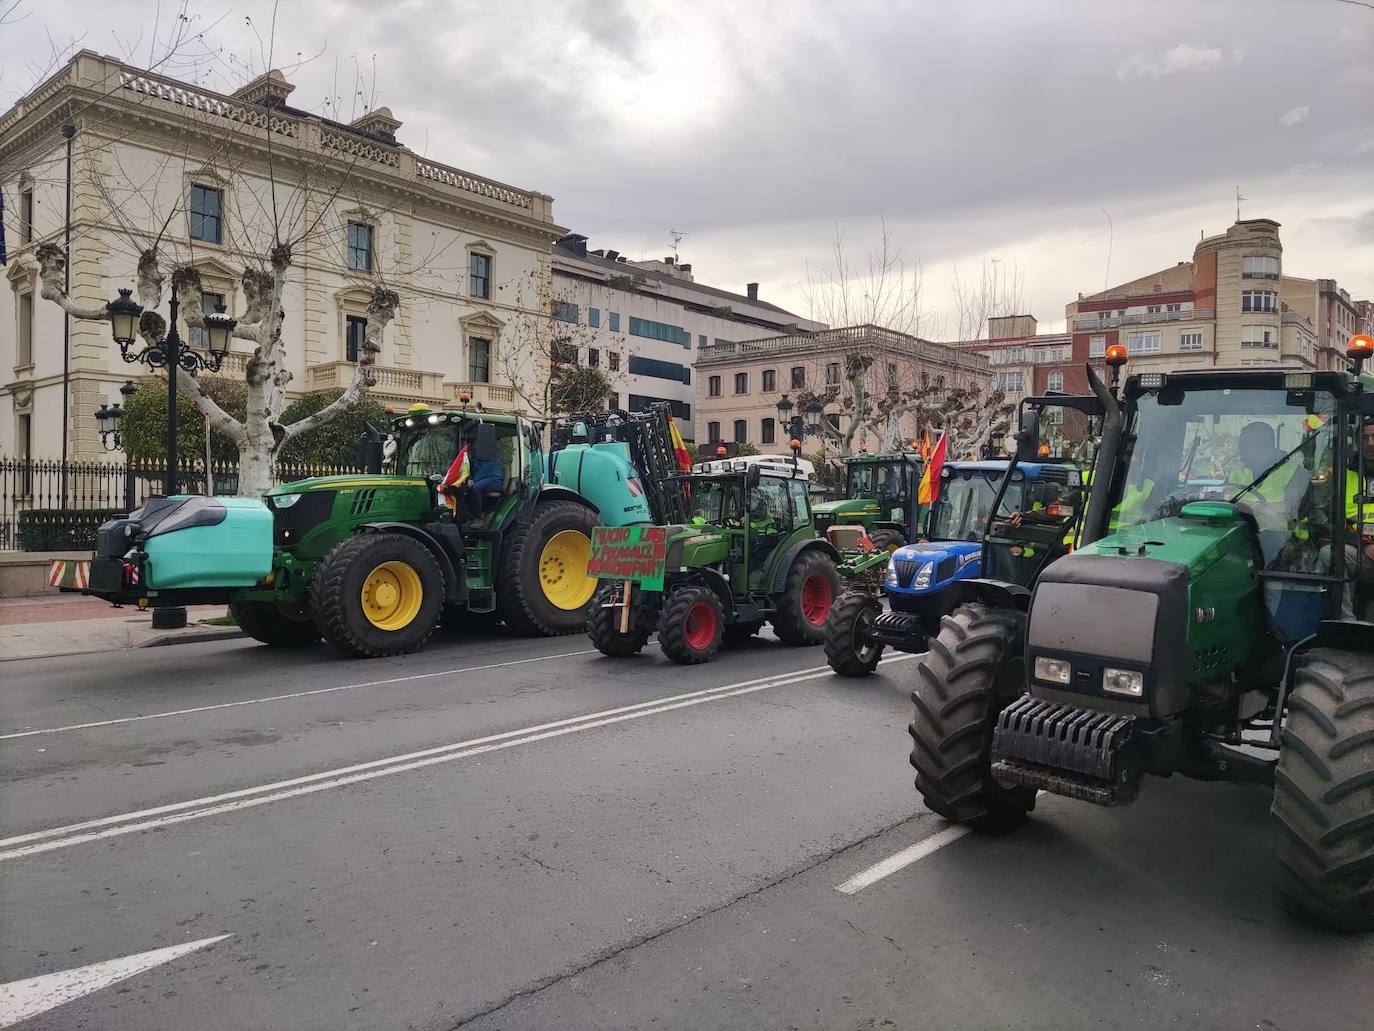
(391, 596)
(563, 570)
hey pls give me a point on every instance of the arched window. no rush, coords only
(1055, 381)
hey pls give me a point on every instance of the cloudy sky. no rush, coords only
(977, 130)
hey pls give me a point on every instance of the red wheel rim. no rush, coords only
(701, 626)
(817, 595)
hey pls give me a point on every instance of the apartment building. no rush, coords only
(740, 383)
(645, 322)
(1231, 305)
(1025, 361)
(202, 172)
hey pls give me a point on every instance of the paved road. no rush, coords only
(505, 833)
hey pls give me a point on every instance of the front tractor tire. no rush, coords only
(848, 648)
(887, 539)
(603, 626)
(807, 597)
(377, 594)
(542, 586)
(274, 624)
(1324, 793)
(973, 669)
(690, 625)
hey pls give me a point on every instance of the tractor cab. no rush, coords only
(879, 495)
(758, 502)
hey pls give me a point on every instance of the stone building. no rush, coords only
(204, 172)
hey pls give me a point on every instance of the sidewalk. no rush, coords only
(69, 624)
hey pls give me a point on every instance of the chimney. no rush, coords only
(752, 291)
(574, 243)
(380, 124)
(270, 89)
(668, 260)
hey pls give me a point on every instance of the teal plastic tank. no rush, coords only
(209, 542)
(605, 476)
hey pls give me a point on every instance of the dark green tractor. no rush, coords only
(880, 493)
(744, 553)
(1206, 627)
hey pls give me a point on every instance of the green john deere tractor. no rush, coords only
(880, 494)
(741, 551)
(372, 562)
(1206, 626)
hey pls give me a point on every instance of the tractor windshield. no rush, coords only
(965, 502)
(1267, 450)
(716, 502)
(430, 450)
(884, 480)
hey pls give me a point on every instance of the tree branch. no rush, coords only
(52, 269)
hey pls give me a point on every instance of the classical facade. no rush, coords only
(1231, 305)
(216, 180)
(645, 322)
(739, 383)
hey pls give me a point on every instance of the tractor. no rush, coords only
(914, 577)
(1206, 626)
(741, 551)
(372, 562)
(879, 495)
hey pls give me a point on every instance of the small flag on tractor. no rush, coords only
(930, 479)
(684, 458)
(925, 446)
(458, 474)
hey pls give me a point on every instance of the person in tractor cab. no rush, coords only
(1359, 549)
(488, 475)
(1281, 482)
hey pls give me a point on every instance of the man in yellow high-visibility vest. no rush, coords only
(1275, 500)
(1359, 549)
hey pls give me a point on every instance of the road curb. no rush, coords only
(227, 633)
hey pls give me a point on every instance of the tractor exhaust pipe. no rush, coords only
(1108, 452)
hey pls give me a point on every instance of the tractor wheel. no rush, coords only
(740, 632)
(812, 583)
(847, 647)
(689, 627)
(887, 539)
(603, 625)
(973, 669)
(542, 586)
(1324, 792)
(274, 624)
(377, 594)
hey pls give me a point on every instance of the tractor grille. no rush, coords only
(945, 570)
(289, 525)
(906, 570)
(364, 500)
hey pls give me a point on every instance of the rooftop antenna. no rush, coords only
(677, 235)
(1239, 198)
(1111, 238)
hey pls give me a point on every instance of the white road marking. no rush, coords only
(178, 812)
(286, 697)
(20, 1000)
(901, 860)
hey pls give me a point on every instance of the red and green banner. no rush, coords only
(629, 553)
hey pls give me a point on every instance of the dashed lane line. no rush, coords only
(901, 860)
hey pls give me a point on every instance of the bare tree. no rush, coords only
(999, 289)
(883, 292)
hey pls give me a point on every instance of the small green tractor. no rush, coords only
(741, 551)
(880, 494)
(373, 562)
(1206, 626)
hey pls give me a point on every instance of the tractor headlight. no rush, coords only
(1052, 671)
(1123, 681)
(285, 500)
(922, 580)
(891, 578)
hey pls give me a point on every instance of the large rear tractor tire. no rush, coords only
(377, 594)
(887, 539)
(847, 646)
(690, 625)
(542, 586)
(274, 624)
(807, 596)
(603, 626)
(974, 668)
(1324, 792)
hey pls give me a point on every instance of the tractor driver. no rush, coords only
(488, 475)
(1276, 500)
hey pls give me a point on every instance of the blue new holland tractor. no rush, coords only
(914, 579)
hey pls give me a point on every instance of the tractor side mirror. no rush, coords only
(370, 450)
(1028, 437)
(752, 477)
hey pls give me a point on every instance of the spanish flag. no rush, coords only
(930, 479)
(925, 446)
(684, 460)
(458, 474)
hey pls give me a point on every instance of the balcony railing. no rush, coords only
(496, 396)
(403, 384)
(1092, 321)
(865, 339)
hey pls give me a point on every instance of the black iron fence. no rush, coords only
(51, 505)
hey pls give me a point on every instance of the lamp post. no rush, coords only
(108, 418)
(170, 354)
(789, 424)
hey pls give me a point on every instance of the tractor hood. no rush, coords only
(923, 568)
(340, 482)
(834, 510)
(697, 544)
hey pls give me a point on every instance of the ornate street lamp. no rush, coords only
(109, 418)
(789, 423)
(124, 314)
(814, 409)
